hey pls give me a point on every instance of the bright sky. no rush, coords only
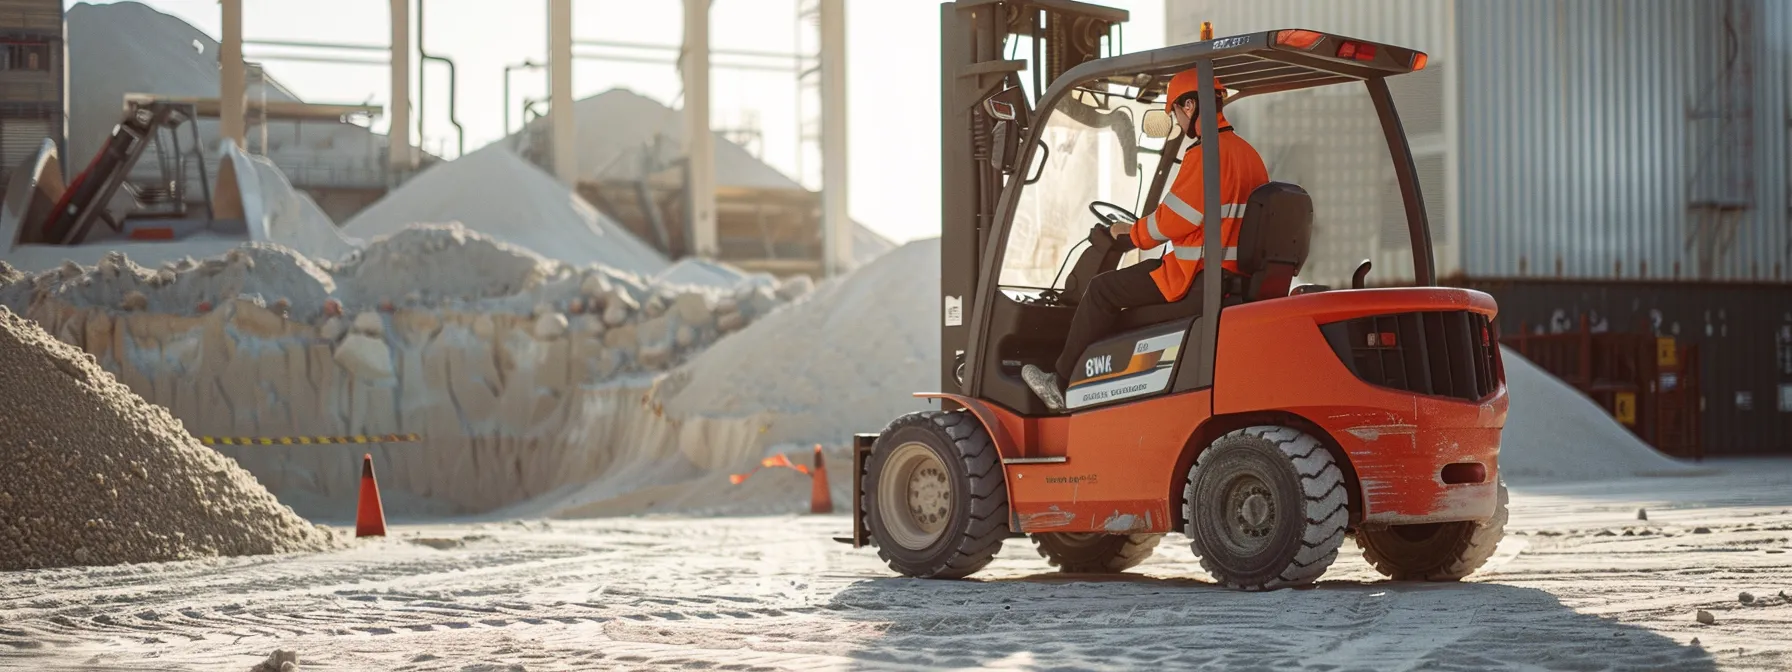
(893, 60)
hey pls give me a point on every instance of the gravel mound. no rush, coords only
(90, 474)
(263, 271)
(439, 262)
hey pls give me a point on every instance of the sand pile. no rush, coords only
(845, 360)
(623, 135)
(1555, 433)
(93, 475)
(495, 192)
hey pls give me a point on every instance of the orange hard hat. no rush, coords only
(1187, 82)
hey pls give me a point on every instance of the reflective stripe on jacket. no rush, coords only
(1178, 220)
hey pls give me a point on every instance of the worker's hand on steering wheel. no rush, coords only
(1118, 220)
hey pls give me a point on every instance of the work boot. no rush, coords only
(1045, 385)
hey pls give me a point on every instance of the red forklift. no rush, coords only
(1268, 427)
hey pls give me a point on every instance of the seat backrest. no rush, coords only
(1274, 239)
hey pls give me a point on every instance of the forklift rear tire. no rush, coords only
(1434, 551)
(934, 496)
(1094, 552)
(1266, 508)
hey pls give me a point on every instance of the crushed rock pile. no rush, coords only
(519, 372)
(435, 263)
(91, 474)
(265, 273)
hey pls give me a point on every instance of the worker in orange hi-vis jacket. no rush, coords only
(1177, 221)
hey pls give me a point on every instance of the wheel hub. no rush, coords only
(1250, 513)
(927, 492)
(915, 496)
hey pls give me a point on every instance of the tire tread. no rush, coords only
(1322, 488)
(987, 515)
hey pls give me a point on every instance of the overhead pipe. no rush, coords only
(525, 65)
(318, 45)
(645, 46)
(295, 58)
(453, 117)
(674, 61)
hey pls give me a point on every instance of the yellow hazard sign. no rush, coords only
(304, 440)
(1624, 407)
(1666, 353)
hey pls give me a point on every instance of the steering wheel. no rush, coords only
(1113, 214)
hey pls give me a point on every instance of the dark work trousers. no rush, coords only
(1108, 294)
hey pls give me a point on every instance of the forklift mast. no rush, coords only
(978, 142)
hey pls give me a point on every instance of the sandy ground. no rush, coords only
(1580, 584)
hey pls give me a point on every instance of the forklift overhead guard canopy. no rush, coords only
(1257, 63)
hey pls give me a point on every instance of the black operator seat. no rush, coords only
(1273, 242)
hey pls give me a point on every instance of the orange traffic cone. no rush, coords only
(370, 517)
(820, 501)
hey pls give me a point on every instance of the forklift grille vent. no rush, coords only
(1439, 353)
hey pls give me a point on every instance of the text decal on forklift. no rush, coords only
(1149, 360)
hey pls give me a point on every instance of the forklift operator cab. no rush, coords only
(1101, 155)
(1268, 422)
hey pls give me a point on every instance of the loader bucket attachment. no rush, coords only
(31, 194)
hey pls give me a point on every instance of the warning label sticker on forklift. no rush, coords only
(1109, 374)
(954, 311)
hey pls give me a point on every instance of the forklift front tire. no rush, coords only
(934, 497)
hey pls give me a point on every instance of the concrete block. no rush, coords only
(693, 309)
(367, 358)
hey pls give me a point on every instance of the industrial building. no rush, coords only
(33, 81)
(1605, 169)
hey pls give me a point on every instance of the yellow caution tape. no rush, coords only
(305, 440)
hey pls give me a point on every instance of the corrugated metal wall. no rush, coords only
(1591, 127)
(1579, 135)
(1744, 334)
